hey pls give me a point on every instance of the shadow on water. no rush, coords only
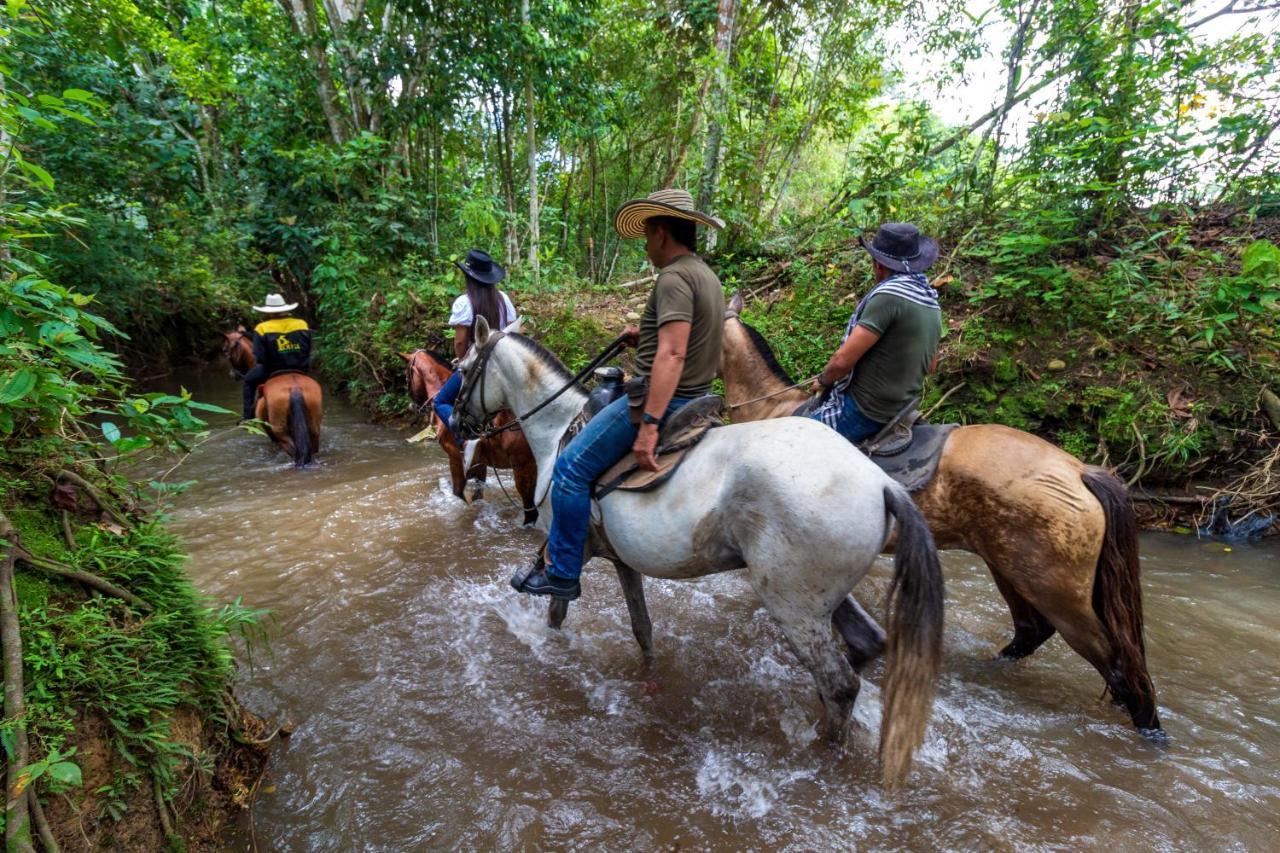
(434, 709)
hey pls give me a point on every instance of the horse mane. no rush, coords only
(766, 355)
(544, 355)
(439, 359)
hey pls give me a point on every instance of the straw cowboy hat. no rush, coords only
(900, 246)
(630, 218)
(482, 268)
(275, 304)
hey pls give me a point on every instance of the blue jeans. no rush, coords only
(849, 419)
(447, 396)
(603, 441)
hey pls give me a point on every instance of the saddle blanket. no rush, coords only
(914, 465)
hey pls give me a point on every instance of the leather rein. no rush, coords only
(463, 406)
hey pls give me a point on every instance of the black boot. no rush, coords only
(535, 580)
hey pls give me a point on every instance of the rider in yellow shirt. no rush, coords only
(280, 344)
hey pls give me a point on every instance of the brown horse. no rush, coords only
(425, 373)
(1058, 536)
(292, 405)
(237, 346)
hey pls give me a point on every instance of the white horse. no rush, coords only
(789, 500)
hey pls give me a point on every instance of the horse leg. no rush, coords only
(556, 611)
(456, 476)
(633, 590)
(1084, 632)
(1030, 628)
(526, 477)
(807, 627)
(863, 638)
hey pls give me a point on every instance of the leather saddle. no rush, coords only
(907, 449)
(687, 426)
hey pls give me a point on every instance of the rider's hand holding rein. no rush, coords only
(668, 364)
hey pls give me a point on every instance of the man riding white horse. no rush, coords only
(677, 349)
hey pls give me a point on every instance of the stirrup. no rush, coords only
(895, 436)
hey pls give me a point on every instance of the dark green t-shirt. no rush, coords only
(893, 370)
(686, 289)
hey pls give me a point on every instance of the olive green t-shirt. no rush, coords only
(686, 289)
(893, 370)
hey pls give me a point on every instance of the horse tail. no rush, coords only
(300, 428)
(914, 648)
(1117, 599)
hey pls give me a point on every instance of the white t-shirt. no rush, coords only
(463, 315)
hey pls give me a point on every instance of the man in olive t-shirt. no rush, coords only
(891, 341)
(677, 349)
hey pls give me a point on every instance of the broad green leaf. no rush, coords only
(17, 385)
(110, 431)
(66, 772)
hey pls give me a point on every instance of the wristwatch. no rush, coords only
(647, 418)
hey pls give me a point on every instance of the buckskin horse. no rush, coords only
(237, 346)
(1058, 536)
(291, 404)
(425, 373)
(788, 501)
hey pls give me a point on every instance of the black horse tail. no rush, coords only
(301, 430)
(914, 628)
(1117, 600)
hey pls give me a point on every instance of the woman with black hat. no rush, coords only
(482, 299)
(891, 341)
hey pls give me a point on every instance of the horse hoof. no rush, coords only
(530, 518)
(1156, 737)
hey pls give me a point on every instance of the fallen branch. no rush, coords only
(42, 824)
(165, 823)
(17, 823)
(1189, 500)
(953, 389)
(644, 280)
(67, 534)
(92, 491)
(87, 578)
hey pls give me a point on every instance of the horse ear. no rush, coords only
(737, 303)
(481, 330)
(515, 327)
(406, 356)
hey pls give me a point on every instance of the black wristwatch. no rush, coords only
(647, 418)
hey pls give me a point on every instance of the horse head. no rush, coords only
(425, 373)
(237, 348)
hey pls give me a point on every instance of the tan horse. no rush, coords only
(237, 347)
(292, 405)
(1059, 536)
(425, 373)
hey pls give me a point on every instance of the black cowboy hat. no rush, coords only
(482, 268)
(900, 246)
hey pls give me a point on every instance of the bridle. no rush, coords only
(471, 424)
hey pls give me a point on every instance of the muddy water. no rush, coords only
(434, 710)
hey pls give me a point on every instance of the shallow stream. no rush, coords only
(434, 710)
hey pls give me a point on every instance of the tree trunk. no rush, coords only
(715, 132)
(535, 265)
(302, 16)
(695, 124)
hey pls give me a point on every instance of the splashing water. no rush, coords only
(435, 709)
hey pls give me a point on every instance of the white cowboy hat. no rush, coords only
(275, 304)
(629, 220)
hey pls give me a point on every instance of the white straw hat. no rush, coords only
(630, 218)
(275, 304)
